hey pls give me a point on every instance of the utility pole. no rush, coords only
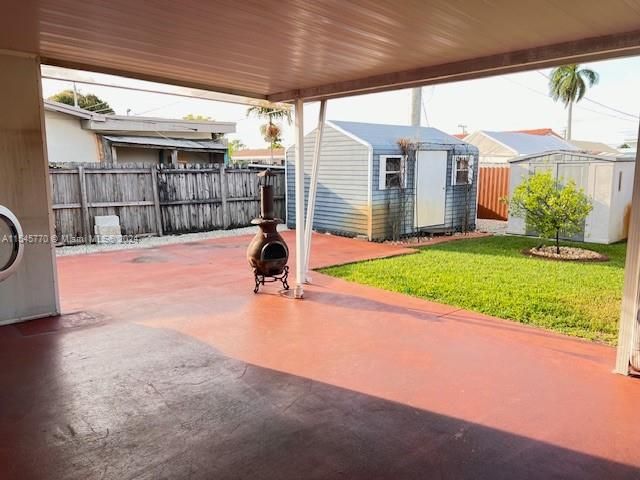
(75, 95)
(463, 127)
(416, 105)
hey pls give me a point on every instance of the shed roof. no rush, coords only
(162, 142)
(575, 156)
(527, 144)
(386, 136)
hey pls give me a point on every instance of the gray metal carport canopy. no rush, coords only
(289, 50)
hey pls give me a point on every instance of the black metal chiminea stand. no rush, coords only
(268, 252)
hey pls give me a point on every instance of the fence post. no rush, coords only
(84, 205)
(156, 200)
(224, 192)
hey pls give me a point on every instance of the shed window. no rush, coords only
(461, 170)
(392, 172)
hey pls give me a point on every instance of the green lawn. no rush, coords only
(491, 276)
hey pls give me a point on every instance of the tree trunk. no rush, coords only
(569, 120)
(558, 242)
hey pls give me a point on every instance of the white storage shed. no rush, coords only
(606, 180)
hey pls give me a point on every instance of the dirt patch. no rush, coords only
(149, 259)
(435, 240)
(567, 254)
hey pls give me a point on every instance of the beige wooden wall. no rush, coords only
(24, 185)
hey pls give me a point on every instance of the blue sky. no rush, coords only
(508, 102)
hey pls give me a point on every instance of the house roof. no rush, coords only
(597, 148)
(52, 106)
(386, 136)
(539, 131)
(129, 124)
(162, 142)
(259, 153)
(527, 144)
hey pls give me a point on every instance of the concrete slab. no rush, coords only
(166, 365)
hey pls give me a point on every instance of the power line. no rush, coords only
(636, 117)
(157, 108)
(577, 106)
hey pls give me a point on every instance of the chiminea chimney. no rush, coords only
(266, 195)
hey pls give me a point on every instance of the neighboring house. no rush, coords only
(629, 148)
(595, 148)
(631, 143)
(532, 131)
(368, 188)
(496, 150)
(77, 135)
(608, 181)
(500, 147)
(539, 131)
(260, 156)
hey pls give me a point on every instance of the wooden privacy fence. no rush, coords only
(493, 184)
(155, 200)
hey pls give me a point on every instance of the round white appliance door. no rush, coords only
(11, 246)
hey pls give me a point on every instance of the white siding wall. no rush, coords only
(67, 141)
(599, 190)
(342, 199)
(621, 201)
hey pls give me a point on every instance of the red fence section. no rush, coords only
(493, 184)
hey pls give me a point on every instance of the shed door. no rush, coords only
(431, 187)
(579, 173)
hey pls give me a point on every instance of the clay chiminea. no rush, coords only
(268, 252)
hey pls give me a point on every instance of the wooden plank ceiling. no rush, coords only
(280, 49)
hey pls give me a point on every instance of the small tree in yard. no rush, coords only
(550, 208)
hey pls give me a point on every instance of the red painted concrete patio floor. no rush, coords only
(166, 365)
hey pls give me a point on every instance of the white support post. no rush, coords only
(313, 188)
(299, 188)
(629, 330)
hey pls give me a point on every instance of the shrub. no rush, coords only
(549, 207)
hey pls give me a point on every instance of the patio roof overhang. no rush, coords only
(293, 51)
(283, 50)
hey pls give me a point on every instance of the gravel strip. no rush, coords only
(150, 242)
(497, 227)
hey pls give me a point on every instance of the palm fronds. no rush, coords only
(569, 83)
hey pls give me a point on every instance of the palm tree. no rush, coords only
(569, 83)
(270, 113)
(271, 131)
(233, 146)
